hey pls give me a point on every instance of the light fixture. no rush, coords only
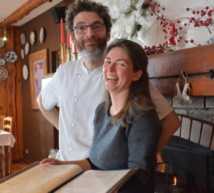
(5, 34)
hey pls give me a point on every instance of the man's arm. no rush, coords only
(51, 115)
(169, 119)
(170, 124)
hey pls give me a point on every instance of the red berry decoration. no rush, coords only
(174, 30)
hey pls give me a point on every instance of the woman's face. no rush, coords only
(118, 71)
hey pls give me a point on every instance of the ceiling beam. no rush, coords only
(24, 10)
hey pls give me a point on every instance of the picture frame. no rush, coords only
(38, 69)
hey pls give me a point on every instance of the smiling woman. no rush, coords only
(118, 71)
(128, 137)
(125, 71)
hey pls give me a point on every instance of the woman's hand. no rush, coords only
(50, 161)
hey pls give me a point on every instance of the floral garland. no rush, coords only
(174, 29)
(136, 19)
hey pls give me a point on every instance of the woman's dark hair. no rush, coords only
(139, 99)
(90, 6)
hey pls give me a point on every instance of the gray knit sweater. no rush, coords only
(115, 147)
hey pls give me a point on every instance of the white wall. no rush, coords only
(151, 31)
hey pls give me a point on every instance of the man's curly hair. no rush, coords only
(90, 6)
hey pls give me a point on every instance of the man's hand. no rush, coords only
(51, 161)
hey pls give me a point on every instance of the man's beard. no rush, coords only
(95, 50)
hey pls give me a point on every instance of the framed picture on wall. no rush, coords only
(38, 69)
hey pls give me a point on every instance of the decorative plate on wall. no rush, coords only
(3, 73)
(42, 35)
(2, 61)
(27, 48)
(32, 37)
(11, 57)
(22, 37)
(25, 71)
(22, 53)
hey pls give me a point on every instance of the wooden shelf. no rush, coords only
(164, 70)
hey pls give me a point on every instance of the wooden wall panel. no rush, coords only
(38, 133)
(10, 90)
(193, 60)
(18, 149)
(164, 70)
(201, 86)
(34, 134)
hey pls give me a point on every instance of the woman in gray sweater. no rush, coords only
(126, 125)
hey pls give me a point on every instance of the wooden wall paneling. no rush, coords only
(200, 86)
(18, 149)
(10, 98)
(193, 60)
(3, 84)
(165, 86)
(38, 133)
(164, 70)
